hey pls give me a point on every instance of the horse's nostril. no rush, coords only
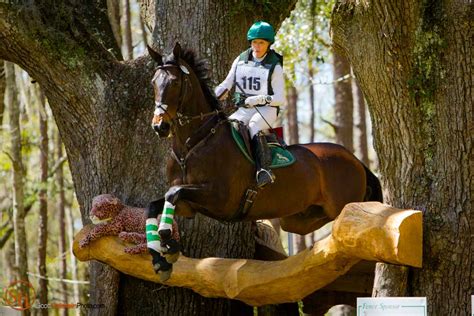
(156, 127)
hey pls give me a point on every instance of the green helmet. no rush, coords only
(261, 30)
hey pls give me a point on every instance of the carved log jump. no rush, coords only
(363, 231)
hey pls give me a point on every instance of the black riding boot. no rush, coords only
(263, 159)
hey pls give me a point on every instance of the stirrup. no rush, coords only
(264, 177)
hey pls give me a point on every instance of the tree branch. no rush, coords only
(368, 231)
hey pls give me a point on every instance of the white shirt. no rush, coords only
(278, 82)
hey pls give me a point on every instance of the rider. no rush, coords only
(257, 75)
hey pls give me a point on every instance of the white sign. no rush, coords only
(391, 306)
(472, 305)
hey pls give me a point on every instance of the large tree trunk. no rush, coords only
(344, 106)
(414, 62)
(43, 198)
(103, 110)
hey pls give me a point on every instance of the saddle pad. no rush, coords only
(280, 156)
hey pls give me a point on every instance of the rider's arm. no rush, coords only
(278, 86)
(228, 82)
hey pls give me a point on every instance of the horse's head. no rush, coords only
(172, 87)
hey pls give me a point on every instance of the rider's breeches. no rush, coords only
(254, 120)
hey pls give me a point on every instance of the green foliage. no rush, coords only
(265, 6)
(303, 38)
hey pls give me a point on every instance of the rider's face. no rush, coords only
(259, 47)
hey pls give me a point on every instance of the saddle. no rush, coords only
(280, 156)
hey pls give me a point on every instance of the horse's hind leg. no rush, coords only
(305, 222)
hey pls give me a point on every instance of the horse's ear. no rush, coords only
(155, 55)
(177, 51)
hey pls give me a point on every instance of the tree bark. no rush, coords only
(103, 109)
(43, 198)
(413, 61)
(343, 107)
(292, 115)
(21, 259)
(359, 103)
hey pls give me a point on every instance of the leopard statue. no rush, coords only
(113, 218)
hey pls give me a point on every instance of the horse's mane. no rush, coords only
(200, 68)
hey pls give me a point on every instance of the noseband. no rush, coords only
(181, 119)
(160, 106)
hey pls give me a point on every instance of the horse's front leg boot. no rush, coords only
(172, 254)
(172, 194)
(171, 245)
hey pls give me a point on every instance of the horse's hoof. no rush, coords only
(172, 257)
(172, 246)
(165, 275)
(162, 266)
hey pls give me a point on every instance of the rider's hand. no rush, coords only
(221, 93)
(256, 100)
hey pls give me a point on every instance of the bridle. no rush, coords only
(194, 141)
(180, 118)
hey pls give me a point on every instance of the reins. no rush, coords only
(183, 120)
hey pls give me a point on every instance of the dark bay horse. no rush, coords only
(208, 173)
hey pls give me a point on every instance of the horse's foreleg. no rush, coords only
(160, 265)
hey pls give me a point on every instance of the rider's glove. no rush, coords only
(256, 100)
(221, 92)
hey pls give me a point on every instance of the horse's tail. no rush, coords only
(374, 189)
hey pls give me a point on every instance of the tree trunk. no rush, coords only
(359, 103)
(300, 241)
(292, 115)
(144, 34)
(390, 280)
(312, 126)
(127, 30)
(344, 107)
(63, 250)
(43, 198)
(21, 259)
(72, 260)
(103, 110)
(113, 10)
(2, 93)
(413, 61)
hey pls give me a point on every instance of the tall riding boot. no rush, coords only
(263, 159)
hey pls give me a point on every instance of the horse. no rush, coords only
(208, 173)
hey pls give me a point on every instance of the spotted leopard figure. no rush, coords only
(113, 218)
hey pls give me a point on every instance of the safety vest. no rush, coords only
(253, 77)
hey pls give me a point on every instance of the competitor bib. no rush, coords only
(252, 78)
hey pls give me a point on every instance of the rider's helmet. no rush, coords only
(261, 30)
